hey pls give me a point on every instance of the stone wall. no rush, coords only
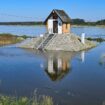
(31, 43)
(60, 42)
(68, 42)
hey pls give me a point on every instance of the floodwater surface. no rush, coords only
(69, 78)
(37, 30)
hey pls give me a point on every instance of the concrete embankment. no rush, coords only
(31, 43)
(61, 42)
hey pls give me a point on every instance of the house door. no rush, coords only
(55, 26)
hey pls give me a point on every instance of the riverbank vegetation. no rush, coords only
(87, 23)
(22, 23)
(6, 39)
(73, 22)
(96, 39)
(44, 100)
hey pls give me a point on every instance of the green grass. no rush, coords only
(43, 100)
(96, 39)
(6, 38)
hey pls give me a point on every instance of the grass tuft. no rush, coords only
(44, 100)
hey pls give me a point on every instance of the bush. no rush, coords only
(96, 39)
(24, 36)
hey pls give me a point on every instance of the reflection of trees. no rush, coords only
(58, 65)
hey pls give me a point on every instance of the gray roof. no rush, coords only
(62, 15)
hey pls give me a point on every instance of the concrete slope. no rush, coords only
(31, 43)
(68, 42)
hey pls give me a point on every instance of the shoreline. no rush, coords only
(103, 26)
(69, 42)
(100, 26)
(8, 39)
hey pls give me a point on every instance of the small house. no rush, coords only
(58, 22)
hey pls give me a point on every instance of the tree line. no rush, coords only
(83, 22)
(73, 22)
(21, 23)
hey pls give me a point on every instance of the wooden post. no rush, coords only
(83, 38)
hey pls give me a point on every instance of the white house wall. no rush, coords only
(50, 25)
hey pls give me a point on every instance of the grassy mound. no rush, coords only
(6, 39)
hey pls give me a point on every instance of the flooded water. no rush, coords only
(69, 78)
(23, 30)
(37, 30)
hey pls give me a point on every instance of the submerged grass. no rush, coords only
(44, 100)
(6, 38)
(96, 39)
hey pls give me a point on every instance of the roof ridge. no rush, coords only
(62, 15)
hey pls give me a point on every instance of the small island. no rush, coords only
(58, 36)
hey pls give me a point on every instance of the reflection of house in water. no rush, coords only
(58, 63)
(58, 66)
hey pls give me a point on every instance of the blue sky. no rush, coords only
(33, 10)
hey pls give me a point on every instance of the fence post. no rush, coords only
(83, 38)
